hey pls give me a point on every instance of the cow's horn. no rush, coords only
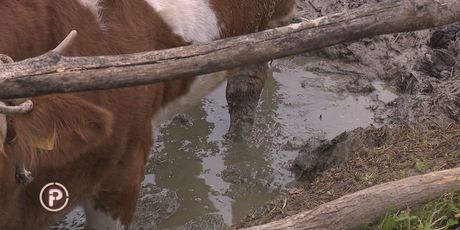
(21, 108)
(66, 43)
(21, 105)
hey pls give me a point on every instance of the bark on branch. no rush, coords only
(52, 73)
(366, 206)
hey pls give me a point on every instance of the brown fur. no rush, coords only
(284, 11)
(103, 138)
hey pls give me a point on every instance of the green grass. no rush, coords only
(443, 214)
(422, 167)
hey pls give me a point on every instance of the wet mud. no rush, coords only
(214, 176)
(315, 112)
(198, 179)
(417, 129)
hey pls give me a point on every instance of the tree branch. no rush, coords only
(52, 73)
(366, 206)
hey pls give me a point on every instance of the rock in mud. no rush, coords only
(320, 154)
(443, 37)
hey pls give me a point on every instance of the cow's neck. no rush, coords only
(20, 31)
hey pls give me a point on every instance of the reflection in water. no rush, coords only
(211, 175)
(249, 167)
(183, 171)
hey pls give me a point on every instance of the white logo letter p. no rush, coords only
(54, 195)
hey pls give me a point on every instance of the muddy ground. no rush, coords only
(396, 96)
(419, 131)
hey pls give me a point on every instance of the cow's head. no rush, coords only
(283, 14)
(59, 129)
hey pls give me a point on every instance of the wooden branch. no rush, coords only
(366, 206)
(52, 73)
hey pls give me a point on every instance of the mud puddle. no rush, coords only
(209, 175)
(197, 177)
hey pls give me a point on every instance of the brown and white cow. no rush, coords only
(96, 143)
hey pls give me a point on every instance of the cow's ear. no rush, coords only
(61, 128)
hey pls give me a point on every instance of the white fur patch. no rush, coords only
(97, 220)
(200, 88)
(192, 20)
(95, 8)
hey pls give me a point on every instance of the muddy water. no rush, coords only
(211, 175)
(194, 171)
